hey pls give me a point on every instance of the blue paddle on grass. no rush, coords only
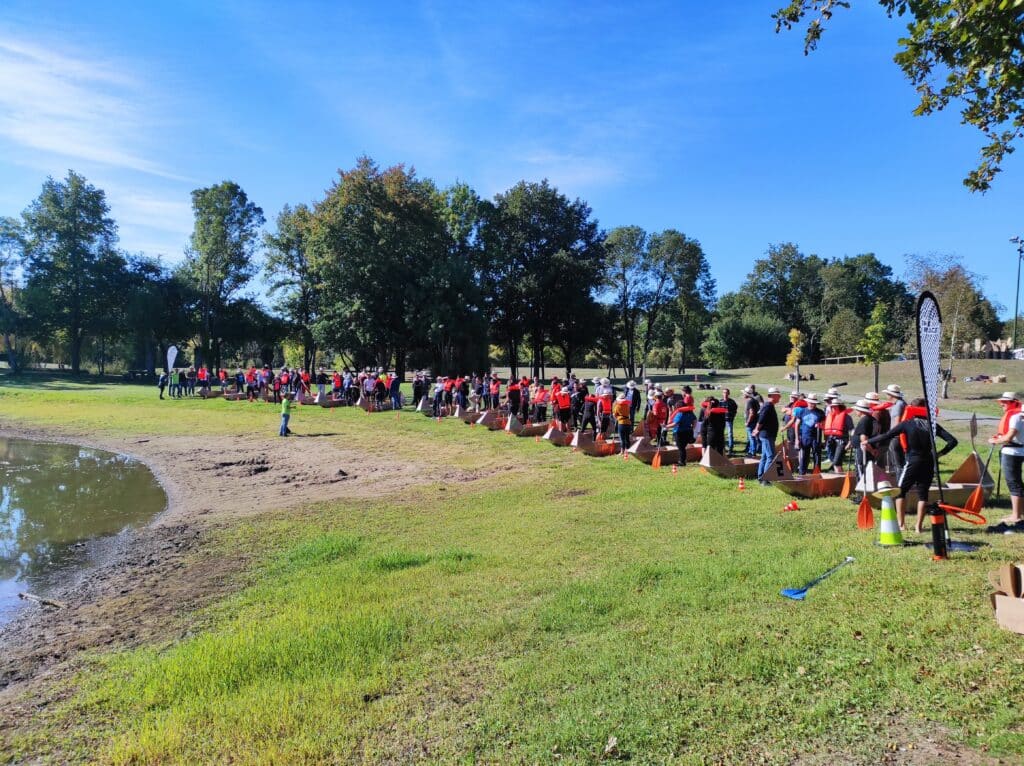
(799, 594)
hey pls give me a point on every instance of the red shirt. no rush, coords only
(660, 411)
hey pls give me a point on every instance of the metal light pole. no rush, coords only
(1016, 296)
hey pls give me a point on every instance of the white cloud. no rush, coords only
(75, 107)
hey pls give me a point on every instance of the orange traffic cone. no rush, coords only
(536, 439)
(742, 485)
(675, 468)
(791, 506)
(625, 456)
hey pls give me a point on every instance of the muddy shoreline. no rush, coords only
(148, 583)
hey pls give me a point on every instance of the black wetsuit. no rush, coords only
(920, 467)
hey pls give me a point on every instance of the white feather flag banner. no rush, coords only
(929, 337)
(172, 355)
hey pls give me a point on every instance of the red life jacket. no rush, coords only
(564, 400)
(1004, 424)
(542, 396)
(606, 402)
(835, 419)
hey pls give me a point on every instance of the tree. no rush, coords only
(379, 248)
(680, 283)
(290, 276)
(954, 51)
(159, 311)
(12, 246)
(874, 344)
(747, 341)
(796, 341)
(539, 247)
(625, 248)
(221, 258)
(787, 284)
(843, 333)
(69, 258)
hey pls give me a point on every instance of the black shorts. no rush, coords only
(1011, 465)
(917, 475)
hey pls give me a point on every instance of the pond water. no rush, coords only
(58, 504)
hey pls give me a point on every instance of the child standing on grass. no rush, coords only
(286, 412)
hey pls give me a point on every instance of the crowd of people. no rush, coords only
(254, 383)
(826, 434)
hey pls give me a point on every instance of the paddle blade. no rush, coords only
(656, 463)
(847, 486)
(865, 514)
(600, 438)
(797, 594)
(816, 471)
(976, 501)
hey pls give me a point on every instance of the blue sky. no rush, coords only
(682, 114)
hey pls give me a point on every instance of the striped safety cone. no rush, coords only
(742, 485)
(889, 528)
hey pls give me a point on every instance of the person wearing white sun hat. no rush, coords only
(897, 406)
(809, 434)
(1010, 437)
(767, 430)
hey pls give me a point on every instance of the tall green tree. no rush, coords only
(626, 269)
(70, 255)
(221, 258)
(374, 241)
(12, 246)
(875, 344)
(690, 299)
(954, 51)
(539, 247)
(290, 276)
(745, 341)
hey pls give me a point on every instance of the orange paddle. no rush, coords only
(865, 514)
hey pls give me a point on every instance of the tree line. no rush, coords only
(390, 270)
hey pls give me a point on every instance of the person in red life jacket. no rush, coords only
(222, 376)
(1011, 438)
(555, 386)
(590, 404)
(606, 399)
(920, 468)
(885, 422)
(203, 376)
(540, 404)
(336, 385)
(659, 418)
(513, 397)
(563, 401)
(524, 397)
(276, 385)
(495, 392)
(688, 400)
(712, 425)
(809, 428)
(731, 409)
(681, 422)
(250, 383)
(837, 429)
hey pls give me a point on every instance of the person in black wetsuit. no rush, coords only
(919, 469)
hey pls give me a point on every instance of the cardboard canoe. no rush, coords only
(585, 443)
(955, 491)
(235, 396)
(210, 393)
(556, 435)
(825, 484)
(466, 416)
(330, 401)
(534, 429)
(512, 425)
(491, 420)
(425, 406)
(644, 451)
(714, 462)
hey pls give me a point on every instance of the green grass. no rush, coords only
(511, 621)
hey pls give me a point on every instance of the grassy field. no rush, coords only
(532, 615)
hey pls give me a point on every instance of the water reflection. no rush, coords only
(54, 499)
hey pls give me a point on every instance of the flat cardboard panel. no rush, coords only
(1009, 612)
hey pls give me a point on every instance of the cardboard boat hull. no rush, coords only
(826, 484)
(330, 402)
(644, 451)
(955, 491)
(491, 420)
(585, 443)
(717, 464)
(558, 437)
(512, 425)
(534, 429)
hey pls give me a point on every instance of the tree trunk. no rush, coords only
(513, 366)
(12, 354)
(400, 363)
(76, 354)
(876, 376)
